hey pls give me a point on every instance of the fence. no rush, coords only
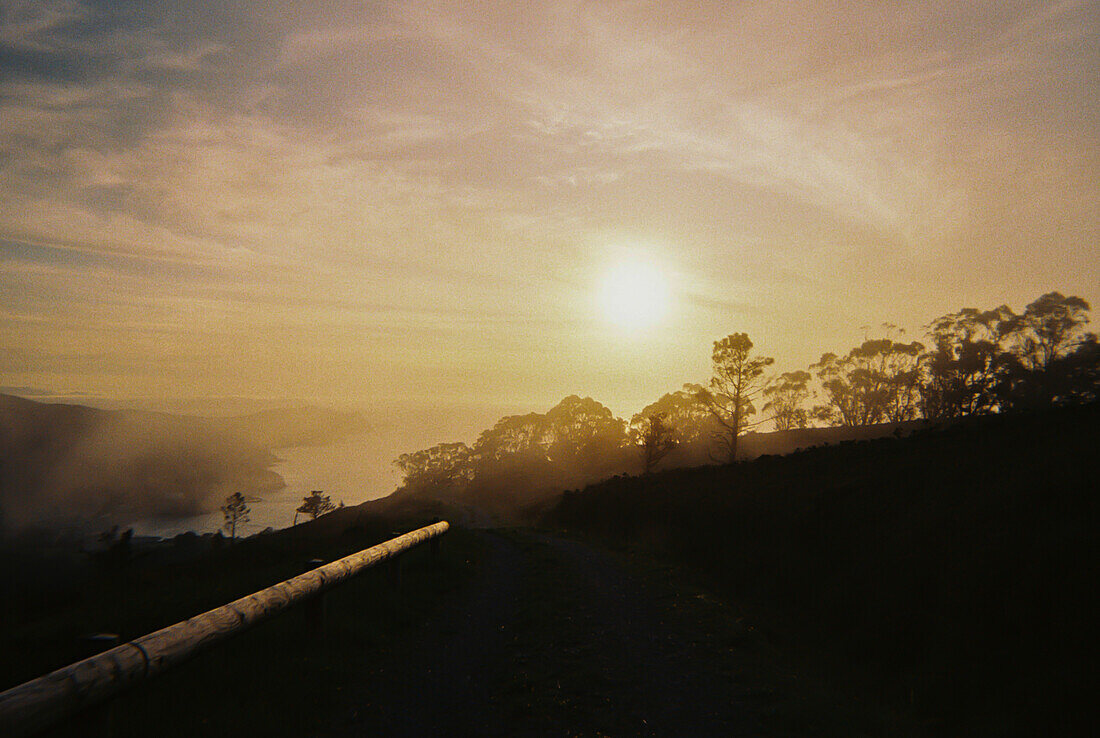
(49, 699)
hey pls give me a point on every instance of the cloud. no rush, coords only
(405, 170)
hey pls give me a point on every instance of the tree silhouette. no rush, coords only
(444, 464)
(687, 417)
(316, 504)
(785, 396)
(876, 381)
(962, 371)
(1049, 352)
(513, 436)
(583, 431)
(236, 513)
(1075, 377)
(653, 436)
(979, 362)
(738, 380)
(1048, 327)
(577, 438)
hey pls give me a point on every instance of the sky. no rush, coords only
(421, 202)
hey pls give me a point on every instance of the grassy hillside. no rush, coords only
(952, 570)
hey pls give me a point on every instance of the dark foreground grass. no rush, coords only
(788, 696)
(275, 679)
(950, 574)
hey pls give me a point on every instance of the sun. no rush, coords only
(634, 294)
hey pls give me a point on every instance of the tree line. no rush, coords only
(972, 362)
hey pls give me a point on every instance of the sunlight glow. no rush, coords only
(634, 295)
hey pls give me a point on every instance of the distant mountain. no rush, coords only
(72, 466)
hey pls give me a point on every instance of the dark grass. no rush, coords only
(950, 574)
(792, 695)
(275, 679)
(725, 643)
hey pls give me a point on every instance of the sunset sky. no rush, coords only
(350, 202)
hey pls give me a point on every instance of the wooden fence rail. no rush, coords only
(49, 699)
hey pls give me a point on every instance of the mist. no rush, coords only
(80, 469)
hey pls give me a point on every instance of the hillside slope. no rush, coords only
(954, 569)
(523, 488)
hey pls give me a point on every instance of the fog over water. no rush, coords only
(352, 470)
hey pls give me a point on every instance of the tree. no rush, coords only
(785, 396)
(1049, 326)
(962, 372)
(876, 381)
(738, 380)
(689, 423)
(902, 369)
(236, 513)
(583, 431)
(1075, 376)
(653, 436)
(578, 436)
(444, 464)
(1047, 351)
(994, 360)
(316, 504)
(688, 418)
(514, 435)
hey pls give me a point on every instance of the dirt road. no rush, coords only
(558, 638)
